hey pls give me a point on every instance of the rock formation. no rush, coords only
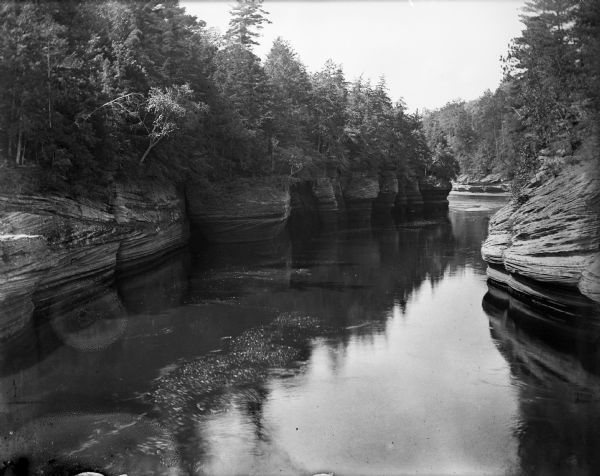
(239, 211)
(435, 195)
(360, 191)
(492, 183)
(551, 233)
(58, 251)
(388, 191)
(154, 215)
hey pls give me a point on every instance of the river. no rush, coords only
(365, 351)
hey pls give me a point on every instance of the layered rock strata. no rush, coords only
(493, 183)
(58, 251)
(328, 195)
(240, 211)
(551, 233)
(154, 216)
(360, 191)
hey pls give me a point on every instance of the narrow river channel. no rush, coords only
(365, 351)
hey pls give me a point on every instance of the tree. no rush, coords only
(172, 111)
(247, 16)
(328, 98)
(542, 66)
(289, 90)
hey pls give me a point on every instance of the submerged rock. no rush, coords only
(105, 443)
(551, 233)
(239, 211)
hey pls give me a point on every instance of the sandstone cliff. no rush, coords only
(57, 250)
(239, 211)
(356, 196)
(551, 233)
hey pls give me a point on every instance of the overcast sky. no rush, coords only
(430, 52)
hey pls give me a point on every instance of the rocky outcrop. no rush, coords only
(551, 233)
(153, 214)
(435, 194)
(239, 211)
(551, 300)
(24, 262)
(412, 196)
(360, 191)
(328, 195)
(492, 183)
(58, 251)
(54, 250)
(388, 191)
(358, 197)
(589, 284)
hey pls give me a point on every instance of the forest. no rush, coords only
(94, 90)
(546, 105)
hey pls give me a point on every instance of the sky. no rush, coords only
(429, 51)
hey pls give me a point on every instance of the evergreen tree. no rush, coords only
(247, 17)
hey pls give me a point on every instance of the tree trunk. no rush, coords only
(18, 156)
(146, 153)
(49, 87)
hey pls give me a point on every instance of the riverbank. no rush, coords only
(58, 249)
(550, 233)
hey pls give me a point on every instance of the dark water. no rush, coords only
(372, 351)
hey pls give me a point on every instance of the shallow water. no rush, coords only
(369, 351)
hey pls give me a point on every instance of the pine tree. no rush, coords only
(247, 16)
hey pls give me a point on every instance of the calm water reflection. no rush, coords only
(353, 352)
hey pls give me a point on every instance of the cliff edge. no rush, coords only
(551, 232)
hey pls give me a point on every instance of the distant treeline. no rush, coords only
(546, 106)
(95, 89)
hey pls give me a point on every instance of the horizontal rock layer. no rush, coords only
(242, 211)
(57, 250)
(551, 234)
(358, 195)
(493, 183)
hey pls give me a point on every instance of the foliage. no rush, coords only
(246, 17)
(94, 90)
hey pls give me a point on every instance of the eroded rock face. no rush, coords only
(388, 190)
(240, 211)
(552, 234)
(24, 262)
(153, 213)
(55, 250)
(58, 251)
(412, 196)
(589, 284)
(328, 196)
(360, 191)
(435, 195)
(492, 183)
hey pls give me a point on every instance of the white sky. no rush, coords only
(429, 51)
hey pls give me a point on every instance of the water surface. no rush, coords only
(365, 351)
